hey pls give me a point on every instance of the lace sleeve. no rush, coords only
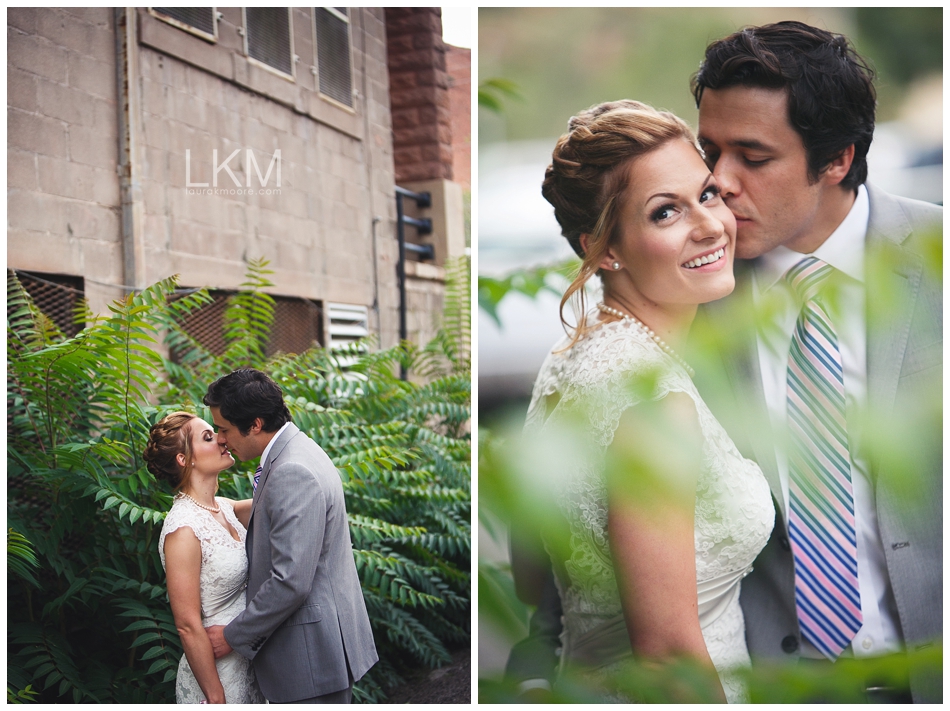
(545, 386)
(617, 367)
(175, 519)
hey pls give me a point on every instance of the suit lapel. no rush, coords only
(275, 451)
(892, 278)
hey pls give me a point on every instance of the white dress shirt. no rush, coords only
(843, 250)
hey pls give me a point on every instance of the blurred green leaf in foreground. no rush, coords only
(903, 445)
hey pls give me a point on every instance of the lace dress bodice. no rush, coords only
(222, 580)
(733, 511)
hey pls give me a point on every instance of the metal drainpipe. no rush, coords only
(367, 133)
(129, 109)
(425, 251)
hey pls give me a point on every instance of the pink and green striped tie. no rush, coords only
(821, 502)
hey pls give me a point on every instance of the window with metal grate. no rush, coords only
(206, 325)
(268, 37)
(197, 18)
(297, 326)
(56, 295)
(333, 53)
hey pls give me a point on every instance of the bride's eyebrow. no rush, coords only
(674, 196)
(669, 196)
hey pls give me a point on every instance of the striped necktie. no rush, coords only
(821, 502)
(257, 476)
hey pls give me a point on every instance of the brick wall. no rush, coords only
(458, 61)
(419, 90)
(62, 185)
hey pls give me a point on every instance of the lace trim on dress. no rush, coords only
(222, 581)
(600, 377)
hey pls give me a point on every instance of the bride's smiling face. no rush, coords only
(676, 235)
(207, 454)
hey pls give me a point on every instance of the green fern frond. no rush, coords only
(248, 318)
(79, 414)
(48, 657)
(21, 560)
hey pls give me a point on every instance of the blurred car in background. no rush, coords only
(517, 230)
(902, 163)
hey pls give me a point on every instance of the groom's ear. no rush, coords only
(257, 426)
(839, 166)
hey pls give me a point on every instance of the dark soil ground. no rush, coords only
(452, 684)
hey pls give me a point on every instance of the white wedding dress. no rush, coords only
(733, 514)
(223, 581)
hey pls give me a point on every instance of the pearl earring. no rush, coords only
(616, 266)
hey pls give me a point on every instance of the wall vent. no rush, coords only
(199, 20)
(268, 37)
(56, 295)
(333, 53)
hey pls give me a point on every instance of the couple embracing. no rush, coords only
(264, 591)
(794, 545)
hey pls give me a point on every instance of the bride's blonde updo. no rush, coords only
(167, 439)
(589, 174)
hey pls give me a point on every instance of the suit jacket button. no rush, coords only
(790, 644)
(783, 541)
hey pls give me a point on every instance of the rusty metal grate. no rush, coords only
(298, 325)
(333, 53)
(206, 325)
(56, 295)
(268, 36)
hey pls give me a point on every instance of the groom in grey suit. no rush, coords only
(305, 627)
(786, 116)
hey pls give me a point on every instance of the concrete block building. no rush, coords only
(146, 142)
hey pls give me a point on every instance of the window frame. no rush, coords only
(215, 16)
(292, 77)
(315, 67)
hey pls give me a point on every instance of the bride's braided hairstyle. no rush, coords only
(589, 173)
(166, 440)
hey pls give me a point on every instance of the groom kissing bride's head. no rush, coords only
(264, 591)
(783, 496)
(786, 118)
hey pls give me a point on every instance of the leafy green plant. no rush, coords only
(491, 91)
(94, 625)
(530, 282)
(20, 557)
(509, 494)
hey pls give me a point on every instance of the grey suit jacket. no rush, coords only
(904, 363)
(305, 624)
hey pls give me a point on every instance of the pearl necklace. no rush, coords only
(201, 506)
(656, 339)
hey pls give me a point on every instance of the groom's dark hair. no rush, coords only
(246, 394)
(830, 89)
